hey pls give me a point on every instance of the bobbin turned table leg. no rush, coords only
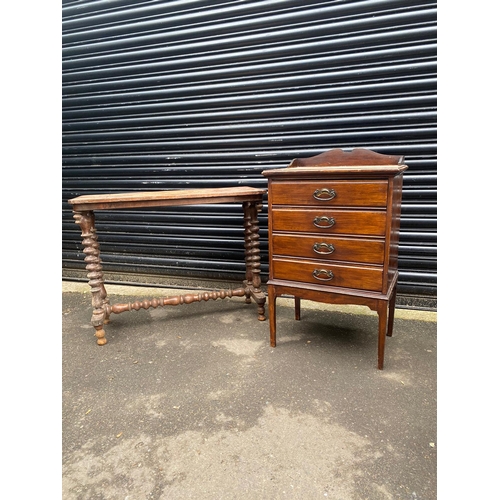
(100, 314)
(252, 256)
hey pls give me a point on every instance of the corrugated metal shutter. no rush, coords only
(196, 93)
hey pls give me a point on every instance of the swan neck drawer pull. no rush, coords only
(324, 194)
(324, 221)
(323, 248)
(322, 274)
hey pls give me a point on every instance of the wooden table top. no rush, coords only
(172, 197)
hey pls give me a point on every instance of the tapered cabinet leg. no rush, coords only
(297, 308)
(272, 315)
(392, 307)
(382, 330)
(86, 221)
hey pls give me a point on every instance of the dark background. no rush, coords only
(172, 95)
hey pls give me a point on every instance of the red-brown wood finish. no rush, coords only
(334, 231)
(84, 206)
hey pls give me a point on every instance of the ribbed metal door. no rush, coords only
(196, 93)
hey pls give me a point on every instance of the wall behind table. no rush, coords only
(192, 94)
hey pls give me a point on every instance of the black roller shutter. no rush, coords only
(196, 93)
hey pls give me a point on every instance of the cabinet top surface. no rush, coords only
(336, 171)
(339, 162)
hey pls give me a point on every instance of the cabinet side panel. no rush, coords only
(395, 225)
(270, 224)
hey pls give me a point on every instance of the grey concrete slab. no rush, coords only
(190, 402)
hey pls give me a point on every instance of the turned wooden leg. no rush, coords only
(247, 217)
(254, 247)
(382, 330)
(272, 314)
(392, 307)
(297, 308)
(261, 310)
(252, 257)
(100, 315)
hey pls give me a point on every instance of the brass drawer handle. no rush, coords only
(318, 273)
(320, 221)
(324, 194)
(323, 248)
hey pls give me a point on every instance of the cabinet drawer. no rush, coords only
(329, 248)
(323, 273)
(329, 221)
(330, 193)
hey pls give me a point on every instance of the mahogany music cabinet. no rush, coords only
(333, 233)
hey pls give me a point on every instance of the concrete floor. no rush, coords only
(190, 402)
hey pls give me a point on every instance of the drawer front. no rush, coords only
(329, 221)
(330, 193)
(324, 273)
(329, 248)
